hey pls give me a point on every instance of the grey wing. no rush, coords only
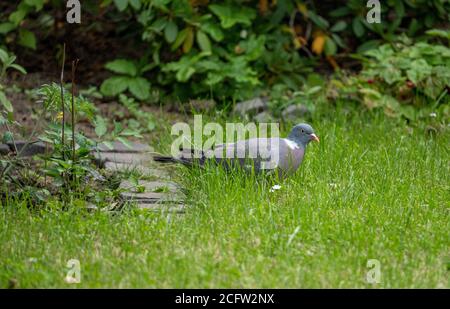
(260, 153)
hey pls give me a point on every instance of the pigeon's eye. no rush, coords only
(302, 130)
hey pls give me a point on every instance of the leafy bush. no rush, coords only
(130, 78)
(227, 49)
(6, 108)
(398, 77)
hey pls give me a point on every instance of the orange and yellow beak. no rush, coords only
(314, 138)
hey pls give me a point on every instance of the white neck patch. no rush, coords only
(291, 144)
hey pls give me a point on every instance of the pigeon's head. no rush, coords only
(302, 134)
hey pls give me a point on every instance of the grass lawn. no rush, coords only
(370, 190)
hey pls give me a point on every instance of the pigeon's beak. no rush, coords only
(314, 138)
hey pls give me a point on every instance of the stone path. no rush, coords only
(159, 194)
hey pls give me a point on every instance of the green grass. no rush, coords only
(369, 190)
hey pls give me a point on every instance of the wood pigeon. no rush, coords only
(261, 154)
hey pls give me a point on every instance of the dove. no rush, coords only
(283, 155)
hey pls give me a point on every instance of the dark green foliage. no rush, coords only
(229, 49)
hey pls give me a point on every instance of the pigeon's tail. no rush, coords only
(165, 159)
(185, 158)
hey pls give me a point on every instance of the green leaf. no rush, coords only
(229, 14)
(114, 85)
(203, 41)
(136, 4)
(125, 142)
(3, 56)
(339, 26)
(340, 12)
(189, 41)
(121, 4)
(399, 9)
(171, 31)
(5, 102)
(19, 15)
(337, 39)
(439, 33)
(180, 39)
(368, 46)
(419, 69)
(213, 30)
(38, 4)
(318, 20)
(27, 38)
(100, 126)
(139, 87)
(6, 27)
(159, 25)
(108, 144)
(18, 68)
(254, 47)
(7, 137)
(358, 27)
(122, 66)
(330, 47)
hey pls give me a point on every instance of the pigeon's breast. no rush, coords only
(292, 157)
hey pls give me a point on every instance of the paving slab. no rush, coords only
(148, 171)
(119, 147)
(4, 149)
(28, 149)
(129, 158)
(174, 208)
(150, 192)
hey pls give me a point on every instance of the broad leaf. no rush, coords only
(114, 85)
(358, 27)
(18, 68)
(339, 26)
(27, 38)
(5, 102)
(330, 47)
(122, 66)
(171, 31)
(189, 41)
(203, 41)
(121, 4)
(180, 38)
(6, 27)
(136, 4)
(213, 30)
(100, 126)
(230, 15)
(139, 87)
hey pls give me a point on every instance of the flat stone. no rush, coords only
(28, 149)
(202, 105)
(154, 191)
(152, 197)
(252, 106)
(4, 149)
(123, 167)
(129, 158)
(119, 147)
(151, 186)
(263, 117)
(172, 208)
(295, 112)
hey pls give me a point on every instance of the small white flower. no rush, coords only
(71, 280)
(32, 260)
(275, 187)
(243, 34)
(433, 115)
(333, 185)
